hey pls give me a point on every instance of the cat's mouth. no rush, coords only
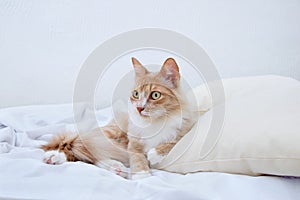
(145, 114)
(156, 113)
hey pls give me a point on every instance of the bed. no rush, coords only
(24, 175)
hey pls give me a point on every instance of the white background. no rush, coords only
(44, 43)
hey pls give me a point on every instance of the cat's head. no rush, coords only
(156, 94)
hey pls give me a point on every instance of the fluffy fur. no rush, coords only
(155, 125)
(105, 147)
(158, 117)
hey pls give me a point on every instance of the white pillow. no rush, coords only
(260, 135)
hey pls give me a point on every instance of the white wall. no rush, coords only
(43, 43)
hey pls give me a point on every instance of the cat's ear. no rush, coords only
(139, 69)
(170, 72)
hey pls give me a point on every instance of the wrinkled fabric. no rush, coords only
(23, 174)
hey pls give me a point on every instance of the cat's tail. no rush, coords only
(67, 147)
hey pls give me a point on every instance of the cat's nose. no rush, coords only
(140, 109)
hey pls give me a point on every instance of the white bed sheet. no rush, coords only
(23, 175)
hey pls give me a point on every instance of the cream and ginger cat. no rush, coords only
(158, 116)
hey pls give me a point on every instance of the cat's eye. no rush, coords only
(135, 94)
(155, 95)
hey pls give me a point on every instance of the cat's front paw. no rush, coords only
(140, 175)
(153, 157)
(54, 157)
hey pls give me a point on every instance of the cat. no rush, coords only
(159, 115)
